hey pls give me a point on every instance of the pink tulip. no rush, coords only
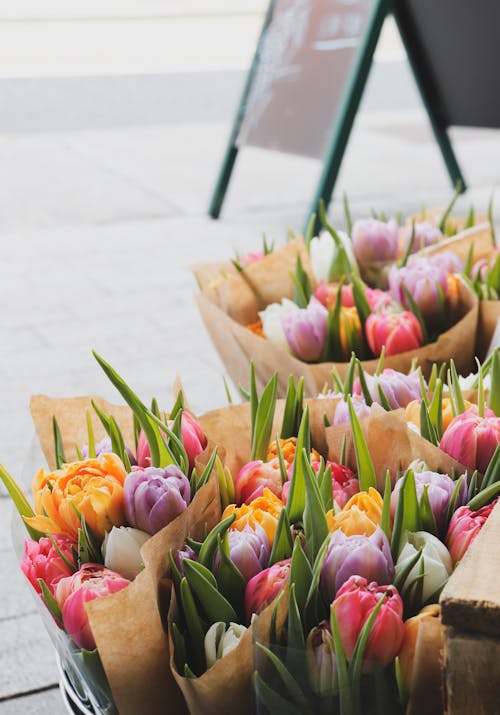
(251, 257)
(42, 560)
(90, 582)
(426, 234)
(305, 330)
(422, 278)
(465, 525)
(326, 293)
(375, 241)
(193, 439)
(254, 477)
(471, 439)
(378, 299)
(399, 332)
(353, 605)
(263, 588)
(344, 482)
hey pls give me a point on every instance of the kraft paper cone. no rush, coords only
(237, 346)
(489, 315)
(70, 416)
(392, 445)
(426, 695)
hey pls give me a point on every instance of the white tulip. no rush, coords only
(220, 641)
(271, 320)
(323, 252)
(121, 550)
(438, 563)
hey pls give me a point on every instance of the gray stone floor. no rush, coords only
(101, 215)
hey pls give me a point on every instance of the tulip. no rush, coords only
(252, 257)
(154, 497)
(92, 488)
(288, 448)
(102, 447)
(471, 439)
(350, 331)
(413, 411)
(324, 254)
(437, 562)
(344, 482)
(326, 293)
(249, 550)
(321, 661)
(72, 593)
(305, 330)
(220, 640)
(43, 560)
(398, 388)
(354, 604)
(375, 241)
(263, 588)
(180, 554)
(254, 477)
(264, 510)
(448, 261)
(361, 515)
(121, 550)
(378, 299)
(426, 234)
(398, 332)
(271, 320)
(407, 653)
(439, 488)
(464, 526)
(366, 556)
(193, 439)
(342, 415)
(422, 278)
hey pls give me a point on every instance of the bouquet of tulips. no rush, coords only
(281, 307)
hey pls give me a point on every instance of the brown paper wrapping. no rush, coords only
(392, 444)
(489, 315)
(231, 305)
(426, 695)
(479, 235)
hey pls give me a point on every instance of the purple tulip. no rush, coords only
(185, 553)
(358, 555)
(399, 388)
(440, 488)
(249, 550)
(154, 497)
(425, 235)
(447, 261)
(321, 660)
(305, 330)
(102, 447)
(422, 278)
(375, 241)
(341, 416)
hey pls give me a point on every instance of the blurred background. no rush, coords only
(114, 115)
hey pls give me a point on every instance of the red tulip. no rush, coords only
(263, 588)
(353, 605)
(465, 525)
(471, 439)
(254, 477)
(90, 582)
(42, 560)
(399, 332)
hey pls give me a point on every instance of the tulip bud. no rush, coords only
(180, 554)
(321, 661)
(425, 234)
(471, 439)
(361, 515)
(375, 241)
(324, 254)
(42, 560)
(220, 640)
(154, 497)
(121, 550)
(264, 510)
(353, 606)
(422, 278)
(305, 330)
(263, 588)
(465, 525)
(398, 388)
(366, 556)
(437, 562)
(344, 483)
(193, 439)
(72, 593)
(249, 550)
(271, 320)
(398, 332)
(102, 447)
(342, 414)
(254, 477)
(326, 293)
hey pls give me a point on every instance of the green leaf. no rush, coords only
(345, 691)
(409, 247)
(491, 220)
(204, 586)
(310, 231)
(59, 456)
(300, 574)
(179, 647)
(383, 398)
(303, 287)
(363, 384)
(205, 475)
(494, 399)
(349, 380)
(449, 208)
(332, 349)
(297, 494)
(433, 377)
(118, 443)
(380, 364)
(89, 545)
(470, 218)
(407, 516)
(90, 436)
(103, 418)
(50, 601)
(472, 486)
(455, 389)
(356, 664)
(195, 627)
(271, 700)
(360, 301)
(467, 271)
(209, 547)
(436, 410)
(427, 517)
(366, 471)
(385, 522)
(293, 408)
(295, 630)
(283, 542)
(312, 602)
(492, 473)
(453, 501)
(400, 682)
(341, 265)
(347, 215)
(263, 423)
(291, 686)
(484, 497)
(402, 573)
(230, 580)
(20, 502)
(325, 488)
(178, 407)
(426, 429)
(416, 312)
(315, 524)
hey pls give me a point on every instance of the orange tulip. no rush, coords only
(361, 515)
(407, 653)
(92, 488)
(265, 510)
(413, 411)
(288, 448)
(350, 325)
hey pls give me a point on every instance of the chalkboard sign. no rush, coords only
(306, 59)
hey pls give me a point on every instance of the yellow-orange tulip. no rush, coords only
(288, 449)
(413, 411)
(407, 653)
(361, 515)
(350, 325)
(93, 488)
(265, 510)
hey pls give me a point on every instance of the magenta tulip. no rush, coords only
(305, 330)
(398, 332)
(471, 439)
(465, 525)
(154, 497)
(43, 560)
(263, 588)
